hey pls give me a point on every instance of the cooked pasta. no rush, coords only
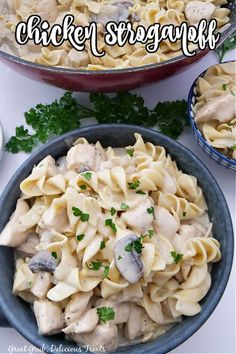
(215, 108)
(138, 12)
(114, 246)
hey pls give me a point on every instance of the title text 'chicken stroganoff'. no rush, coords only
(85, 12)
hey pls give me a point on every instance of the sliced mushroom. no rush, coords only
(196, 11)
(43, 261)
(128, 261)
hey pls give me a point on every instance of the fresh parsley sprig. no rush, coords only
(228, 44)
(65, 114)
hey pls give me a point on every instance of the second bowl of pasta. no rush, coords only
(113, 242)
(212, 113)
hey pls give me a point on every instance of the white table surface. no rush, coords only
(18, 94)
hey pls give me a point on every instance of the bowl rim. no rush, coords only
(227, 30)
(204, 315)
(191, 115)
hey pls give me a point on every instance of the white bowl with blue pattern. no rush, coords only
(221, 159)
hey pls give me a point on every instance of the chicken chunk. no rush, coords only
(77, 59)
(83, 157)
(104, 336)
(47, 9)
(138, 323)
(41, 284)
(165, 223)
(28, 247)
(140, 218)
(85, 324)
(49, 317)
(196, 11)
(121, 310)
(14, 234)
(77, 306)
(221, 108)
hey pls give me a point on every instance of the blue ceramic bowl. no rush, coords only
(19, 313)
(221, 159)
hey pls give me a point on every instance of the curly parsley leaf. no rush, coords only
(65, 114)
(228, 44)
(105, 314)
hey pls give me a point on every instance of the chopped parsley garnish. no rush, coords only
(94, 265)
(176, 256)
(54, 254)
(80, 237)
(140, 192)
(150, 210)
(105, 314)
(110, 223)
(150, 233)
(112, 211)
(184, 213)
(102, 245)
(136, 245)
(87, 175)
(106, 272)
(134, 185)
(83, 216)
(233, 147)
(224, 87)
(130, 152)
(124, 207)
(83, 186)
(77, 211)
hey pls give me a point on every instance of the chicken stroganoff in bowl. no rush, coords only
(113, 246)
(138, 12)
(214, 108)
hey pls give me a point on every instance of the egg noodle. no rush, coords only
(113, 245)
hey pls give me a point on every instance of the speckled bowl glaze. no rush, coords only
(221, 159)
(19, 313)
